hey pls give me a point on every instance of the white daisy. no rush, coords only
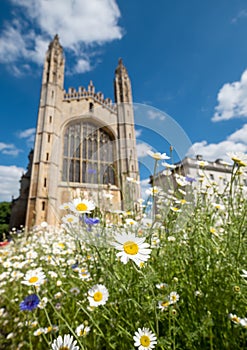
(234, 318)
(181, 180)
(144, 339)
(163, 305)
(131, 222)
(132, 247)
(158, 155)
(65, 343)
(169, 166)
(218, 206)
(81, 206)
(173, 297)
(98, 295)
(64, 206)
(161, 285)
(153, 191)
(42, 303)
(82, 330)
(70, 219)
(34, 277)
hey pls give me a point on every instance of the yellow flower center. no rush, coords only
(157, 156)
(145, 341)
(130, 248)
(165, 303)
(61, 245)
(33, 279)
(235, 319)
(70, 219)
(81, 207)
(98, 296)
(83, 332)
(63, 348)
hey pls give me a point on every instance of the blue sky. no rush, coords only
(185, 58)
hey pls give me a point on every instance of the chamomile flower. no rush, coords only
(144, 339)
(34, 278)
(81, 206)
(65, 343)
(152, 191)
(158, 155)
(131, 247)
(38, 332)
(181, 180)
(82, 330)
(70, 219)
(218, 206)
(98, 295)
(163, 304)
(173, 297)
(42, 303)
(64, 206)
(234, 318)
(161, 285)
(131, 222)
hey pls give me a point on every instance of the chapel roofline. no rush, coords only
(83, 93)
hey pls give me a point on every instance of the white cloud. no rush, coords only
(9, 149)
(236, 142)
(155, 115)
(82, 65)
(145, 184)
(80, 24)
(232, 100)
(142, 149)
(239, 135)
(9, 182)
(28, 134)
(241, 14)
(138, 132)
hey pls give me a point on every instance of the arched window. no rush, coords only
(88, 155)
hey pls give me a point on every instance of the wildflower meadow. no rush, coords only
(171, 274)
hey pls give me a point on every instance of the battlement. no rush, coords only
(84, 93)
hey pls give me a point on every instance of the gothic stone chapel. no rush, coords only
(84, 144)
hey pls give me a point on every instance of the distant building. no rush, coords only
(84, 143)
(201, 173)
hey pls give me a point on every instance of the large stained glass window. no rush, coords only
(88, 155)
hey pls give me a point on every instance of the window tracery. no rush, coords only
(88, 154)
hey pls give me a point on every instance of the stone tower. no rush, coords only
(84, 143)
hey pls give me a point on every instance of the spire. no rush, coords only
(54, 63)
(121, 69)
(122, 84)
(55, 42)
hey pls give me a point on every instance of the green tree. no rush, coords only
(5, 210)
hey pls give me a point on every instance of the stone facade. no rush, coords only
(84, 144)
(205, 173)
